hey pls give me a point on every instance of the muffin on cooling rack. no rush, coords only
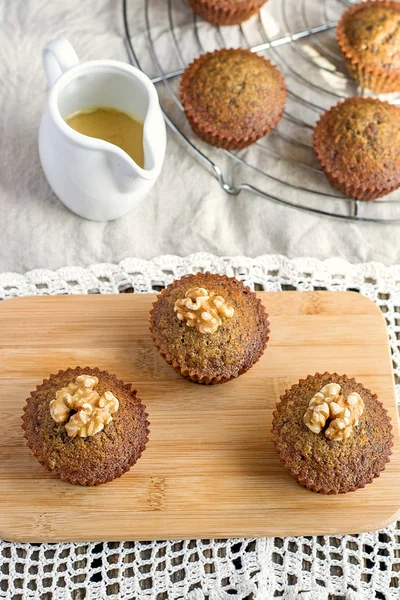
(210, 328)
(332, 434)
(368, 35)
(226, 12)
(357, 143)
(232, 97)
(85, 426)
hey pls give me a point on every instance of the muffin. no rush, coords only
(210, 328)
(332, 434)
(85, 426)
(226, 12)
(357, 143)
(368, 35)
(232, 98)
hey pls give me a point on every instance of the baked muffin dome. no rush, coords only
(331, 466)
(71, 453)
(232, 97)
(226, 12)
(357, 143)
(368, 35)
(206, 356)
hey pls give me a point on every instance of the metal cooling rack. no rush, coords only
(163, 36)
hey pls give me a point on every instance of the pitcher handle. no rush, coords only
(58, 56)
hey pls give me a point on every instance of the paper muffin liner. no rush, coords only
(219, 12)
(118, 469)
(340, 182)
(351, 190)
(209, 135)
(209, 132)
(196, 376)
(375, 79)
(314, 485)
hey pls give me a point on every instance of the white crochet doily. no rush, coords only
(351, 567)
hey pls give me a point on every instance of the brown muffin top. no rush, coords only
(358, 140)
(323, 465)
(233, 92)
(86, 460)
(372, 30)
(231, 350)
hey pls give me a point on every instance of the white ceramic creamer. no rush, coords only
(94, 178)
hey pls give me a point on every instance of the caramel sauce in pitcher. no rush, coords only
(113, 126)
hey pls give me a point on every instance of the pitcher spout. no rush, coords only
(124, 169)
(154, 136)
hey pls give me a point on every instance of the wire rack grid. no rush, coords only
(163, 36)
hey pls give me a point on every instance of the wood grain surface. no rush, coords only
(210, 469)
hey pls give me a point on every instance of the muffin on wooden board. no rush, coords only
(368, 35)
(210, 328)
(232, 98)
(226, 12)
(332, 434)
(85, 426)
(357, 143)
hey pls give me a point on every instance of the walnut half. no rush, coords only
(92, 411)
(203, 309)
(329, 403)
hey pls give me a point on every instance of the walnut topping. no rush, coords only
(330, 404)
(92, 411)
(203, 309)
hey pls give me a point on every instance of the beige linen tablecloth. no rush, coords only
(186, 212)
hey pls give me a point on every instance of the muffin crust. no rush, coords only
(232, 97)
(368, 35)
(323, 465)
(210, 358)
(90, 460)
(357, 143)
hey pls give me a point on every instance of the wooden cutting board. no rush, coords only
(210, 469)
